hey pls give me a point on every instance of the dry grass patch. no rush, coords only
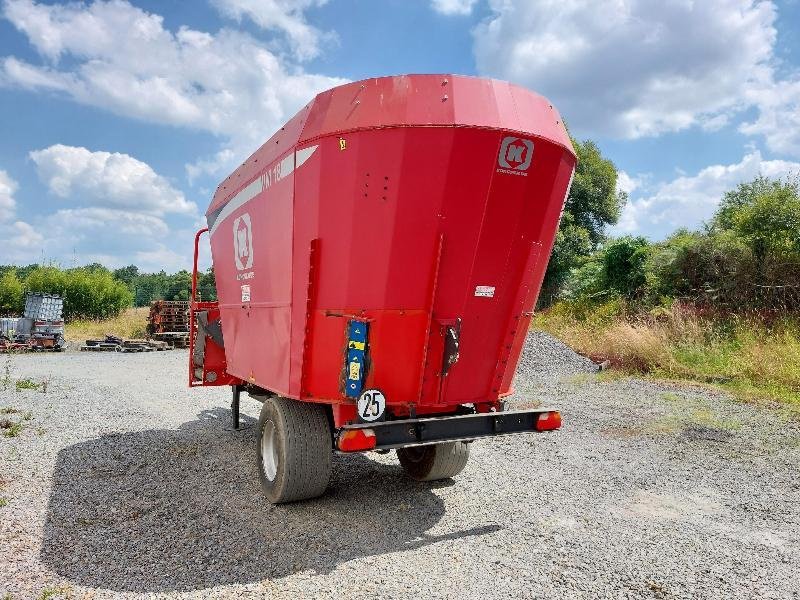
(131, 324)
(751, 358)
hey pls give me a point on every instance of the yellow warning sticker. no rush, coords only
(356, 345)
(355, 371)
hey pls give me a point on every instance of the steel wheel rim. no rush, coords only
(269, 451)
(416, 453)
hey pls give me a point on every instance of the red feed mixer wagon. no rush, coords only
(377, 263)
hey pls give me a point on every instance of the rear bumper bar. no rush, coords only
(417, 432)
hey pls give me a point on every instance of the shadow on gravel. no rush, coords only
(166, 510)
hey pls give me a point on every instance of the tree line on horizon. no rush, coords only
(96, 292)
(747, 257)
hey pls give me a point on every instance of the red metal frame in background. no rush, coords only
(215, 364)
(193, 305)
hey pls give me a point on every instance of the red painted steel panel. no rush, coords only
(282, 142)
(374, 176)
(255, 300)
(214, 359)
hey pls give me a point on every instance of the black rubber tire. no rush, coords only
(434, 462)
(303, 450)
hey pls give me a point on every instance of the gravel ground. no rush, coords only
(123, 483)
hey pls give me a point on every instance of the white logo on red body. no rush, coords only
(243, 242)
(516, 154)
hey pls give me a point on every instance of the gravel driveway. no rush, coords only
(124, 483)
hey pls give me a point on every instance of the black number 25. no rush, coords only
(372, 407)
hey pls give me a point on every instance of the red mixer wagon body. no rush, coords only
(389, 241)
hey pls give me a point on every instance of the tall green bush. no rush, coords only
(617, 269)
(94, 292)
(746, 259)
(89, 293)
(11, 293)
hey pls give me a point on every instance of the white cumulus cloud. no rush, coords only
(633, 68)
(24, 237)
(168, 259)
(688, 200)
(118, 211)
(7, 189)
(110, 180)
(453, 7)
(778, 118)
(114, 222)
(19, 240)
(626, 183)
(121, 58)
(281, 15)
(111, 236)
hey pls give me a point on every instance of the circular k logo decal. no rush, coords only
(516, 154)
(243, 242)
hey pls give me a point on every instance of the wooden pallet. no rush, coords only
(111, 344)
(14, 347)
(99, 347)
(176, 339)
(168, 316)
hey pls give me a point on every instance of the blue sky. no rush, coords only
(117, 119)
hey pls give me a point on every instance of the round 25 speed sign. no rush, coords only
(371, 405)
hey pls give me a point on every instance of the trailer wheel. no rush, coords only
(294, 450)
(434, 462)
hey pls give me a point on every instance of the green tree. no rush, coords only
(207, 285)
(765, 213)
(92, 267)
(593, 203)
(11, 294)
(127, 275)
(179, 286)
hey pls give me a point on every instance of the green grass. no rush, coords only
(11, 429)
(578, 379)
(3, 502)
(49, 593)
(751, 359)
(683, 413)
(5, 380)
(27, 384)
(683, 417)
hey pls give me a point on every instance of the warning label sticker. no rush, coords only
(484, 291)
(245, 293)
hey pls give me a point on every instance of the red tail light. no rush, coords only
(548, 421)
(357, 440)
